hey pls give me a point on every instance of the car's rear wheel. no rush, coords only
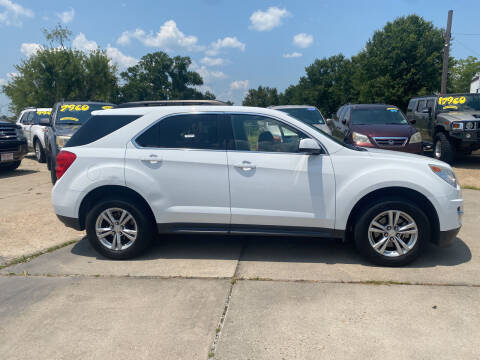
(39, 152)
(444, 149)
(392, 232)
(119, 229)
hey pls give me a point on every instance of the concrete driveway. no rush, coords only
(201, 297)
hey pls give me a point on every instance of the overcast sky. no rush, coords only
(234, 45)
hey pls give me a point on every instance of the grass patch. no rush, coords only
(470, 187)
(27, 258)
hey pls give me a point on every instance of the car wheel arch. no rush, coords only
(110, 191)
(410, 194)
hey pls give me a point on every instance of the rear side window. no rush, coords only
(195, 131)
(99, 126)
(421, 105)
(411, 105)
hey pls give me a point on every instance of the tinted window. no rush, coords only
(40, 115)
(98, 127)
(430, 104)
(195, 131)
(77, 113)
(261, 133)
(411, 105)
(421, 105)
(309, 115)
(388, 115)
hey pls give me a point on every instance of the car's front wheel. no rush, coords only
(444, 148)
(392, 232)
(39, 152)
(119, 229)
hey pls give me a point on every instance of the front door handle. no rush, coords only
(152, 159)
(245, 166)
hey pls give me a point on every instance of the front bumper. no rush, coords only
(18, 148)
(446, 238)
(466, 136)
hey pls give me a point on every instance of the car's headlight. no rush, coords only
(20, 134)
(62, 140)
(457, 126)
(360, 138)
(446, 174)
(416, 138)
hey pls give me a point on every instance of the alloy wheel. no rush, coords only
(116, 229)
(36, 147)
(438, 149)
(393, 233)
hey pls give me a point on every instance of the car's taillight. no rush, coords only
(64, 160)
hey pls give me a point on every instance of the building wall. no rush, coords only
(475, 85)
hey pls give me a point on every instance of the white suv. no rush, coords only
(131, 173)
(29, 120)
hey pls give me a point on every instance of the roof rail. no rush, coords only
(171, 103)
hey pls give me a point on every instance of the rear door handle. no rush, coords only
(245, 165)
(152, 159)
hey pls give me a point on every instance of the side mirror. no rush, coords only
(413, 121)
(329, 122)
(344, 121)
(44, 122)
(309, 146)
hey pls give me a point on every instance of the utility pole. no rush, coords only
(446, 51)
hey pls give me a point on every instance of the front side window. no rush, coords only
(193, 131)
(261, 133)
(421, 105)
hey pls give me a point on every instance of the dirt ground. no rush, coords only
(468, 170)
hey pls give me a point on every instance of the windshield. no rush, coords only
(309, 115)
(40, 115)
(467, 102)
(376, 116)
(77, 113)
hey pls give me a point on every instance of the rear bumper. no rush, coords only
(446, 238)
(73, 223)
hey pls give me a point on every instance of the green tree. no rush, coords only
(463, 72)
(56, 72)
(402, 60)
(158, 76)
(327, 85)
(262, 97)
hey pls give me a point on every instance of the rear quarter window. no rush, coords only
(98, 127)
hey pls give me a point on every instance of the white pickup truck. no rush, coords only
(29, 121)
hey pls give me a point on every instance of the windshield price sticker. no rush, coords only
(443, 100)
(68, 118)
(106, 107)
(43, 112)
(74, 107)
(392, 109)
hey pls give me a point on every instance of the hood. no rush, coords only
(460, 115)
(7, 123)
(373, 130)
(66, 130)
(403, 156)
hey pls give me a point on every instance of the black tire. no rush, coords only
(39, 151)
(53, 172)
(371, 211)
(144, 223)
(445, 150)
(10, 166)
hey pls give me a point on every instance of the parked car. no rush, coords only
(66, 118)
(29, 120)
(13, 145)
(308, 114)
(450, 124)
(376, 125)
(129, 174)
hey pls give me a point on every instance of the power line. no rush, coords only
(466, 34)
(466, 47)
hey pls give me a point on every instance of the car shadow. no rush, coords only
(276, 249)
(4, 174)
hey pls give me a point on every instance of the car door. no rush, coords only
(272, 184)
(180, 166)
(27, 129)
(422, 118)
(429, 119)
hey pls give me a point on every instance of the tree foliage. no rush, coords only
(55, 72)
(262, 97)
(402, 60)
(157, 76)
(463, 72)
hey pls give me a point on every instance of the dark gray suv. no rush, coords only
(449, 124)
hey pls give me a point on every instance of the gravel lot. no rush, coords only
(201, 297)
